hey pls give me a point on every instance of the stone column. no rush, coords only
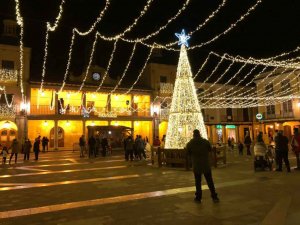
(55, 135)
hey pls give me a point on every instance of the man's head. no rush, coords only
(196, 133)
(296, 130)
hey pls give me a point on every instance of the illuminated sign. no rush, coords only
(259, 116)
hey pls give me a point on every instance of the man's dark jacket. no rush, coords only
(199, 148)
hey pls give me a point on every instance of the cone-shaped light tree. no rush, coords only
(185, 113)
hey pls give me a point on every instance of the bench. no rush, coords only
(176, 158)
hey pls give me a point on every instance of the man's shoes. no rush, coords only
(216, 200)
(197, 200)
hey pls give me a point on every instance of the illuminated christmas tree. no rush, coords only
(185, 112)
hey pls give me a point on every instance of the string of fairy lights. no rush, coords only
(245, 98)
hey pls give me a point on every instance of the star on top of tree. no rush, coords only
(183, 38)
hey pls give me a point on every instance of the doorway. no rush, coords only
(60, 136)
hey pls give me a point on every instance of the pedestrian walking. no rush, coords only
(281, 149)
(26, 149)
(15, 149)
(36, 148)
(4, 154)
(248, 142)
(82, 145)
(295, 143)
(198, 149)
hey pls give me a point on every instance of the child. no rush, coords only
(4, 154)
(240, 146)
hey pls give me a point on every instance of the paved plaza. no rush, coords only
(63, 189)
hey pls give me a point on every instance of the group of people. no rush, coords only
(25, 148)
(96, 145)
(136, 148)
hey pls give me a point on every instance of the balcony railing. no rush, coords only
(7, 112)
(76, 110)
(41, 110)
(7, 76)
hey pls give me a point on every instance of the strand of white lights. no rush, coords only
(230, 27)
(99, 18)
(262, 90)
(281, 91)
(125, 71)
(20, 22)
(141, 39)
(203, 65)
(130, 27)
(228, 92)
(167, 46)
(220, 77)
(50, 28)
(123, 74)
(68, 63)
(74, 31)
(174, 17)
(90, 62)
(284, 89)
(265, 63)
(233, 25)
(141, 72)
(226, 83)
(182, 9)
(200, 26)
(9, 105)
(108, 66)
(250, 99)
(213, 72)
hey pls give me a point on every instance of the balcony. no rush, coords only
(77, 110)
(8, 76)
(41, 110)
(7, 112)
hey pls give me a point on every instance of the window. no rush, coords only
(163, 79)
(8, 65)
(286, 87)
(269, 89)
(271, 109)
(287, 106)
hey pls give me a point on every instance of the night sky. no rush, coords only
(271, 29)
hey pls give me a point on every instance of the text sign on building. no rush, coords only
(259, 116)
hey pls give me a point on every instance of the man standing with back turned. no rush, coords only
(198, 148)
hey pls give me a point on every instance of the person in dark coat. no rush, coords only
(104, 144)
(281, 149)
(92, 146)
(198, 149)
(248, 142)
(36, 148)
(26, 149)
(15, 149)
(129, 148)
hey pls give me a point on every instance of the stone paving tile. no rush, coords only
(240, 204)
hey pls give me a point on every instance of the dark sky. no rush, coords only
(271, 29)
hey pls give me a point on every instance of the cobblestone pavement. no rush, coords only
(63, 189)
